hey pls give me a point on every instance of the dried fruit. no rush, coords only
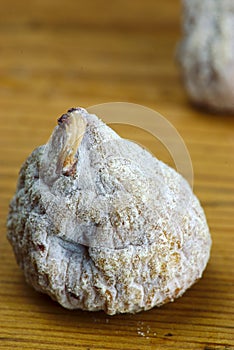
(98, 223)
(206, 53)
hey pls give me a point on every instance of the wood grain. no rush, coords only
(59, 54)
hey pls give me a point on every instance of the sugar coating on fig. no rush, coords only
(99, 223)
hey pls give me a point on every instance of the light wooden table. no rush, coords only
(59, 54)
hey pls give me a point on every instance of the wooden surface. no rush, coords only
(59, 54)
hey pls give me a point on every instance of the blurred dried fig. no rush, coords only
(206, 53)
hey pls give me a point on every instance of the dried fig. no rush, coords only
(98, 223)
(206, 53)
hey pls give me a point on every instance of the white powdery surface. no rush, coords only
(206, 53)
(98, 223)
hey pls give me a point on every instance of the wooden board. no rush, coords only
(59, 54)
